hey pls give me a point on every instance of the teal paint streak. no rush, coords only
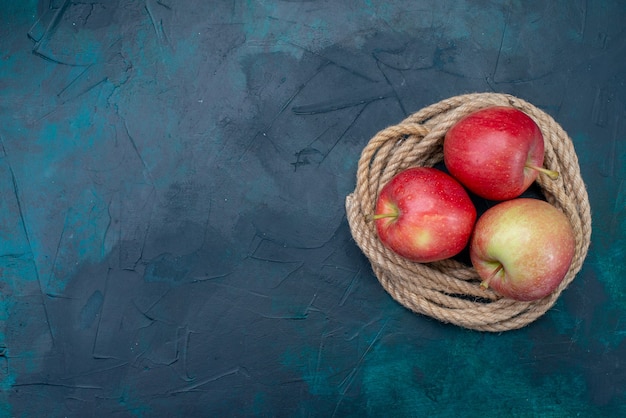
(12, 238)
(19, 287)
(605, 177)
(42, 162)
(255, 26)
(156, 63)
(334, 369)
(482, 372)
(18, 279)
(266, 33)
(303, 360)
(67, 151)
(394, 372)
(7, 376)
(80, 240)
(14, 12)
(5, 410)
(259, 405)
(132, 405)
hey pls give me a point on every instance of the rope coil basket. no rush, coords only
(449, 290)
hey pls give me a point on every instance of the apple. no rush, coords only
(522, 248)
(496, 152)
(424, 215)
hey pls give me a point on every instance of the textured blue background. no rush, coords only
(172, 234)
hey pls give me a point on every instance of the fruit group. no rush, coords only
(496, 152)
(424, 215)
(522, 248)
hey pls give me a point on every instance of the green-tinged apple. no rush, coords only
(522, 248)
(496, 152)
(424, 215)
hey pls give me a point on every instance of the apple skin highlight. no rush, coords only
(424, 215)
(530, 241)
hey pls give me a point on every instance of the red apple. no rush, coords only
(496, 152)
(424, 215)
(522, 248)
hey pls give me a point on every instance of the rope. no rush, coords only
(449, 290)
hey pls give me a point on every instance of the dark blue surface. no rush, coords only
(173, 239)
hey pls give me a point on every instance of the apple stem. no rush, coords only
(384, 215)
(485, 283)
(550, 173)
